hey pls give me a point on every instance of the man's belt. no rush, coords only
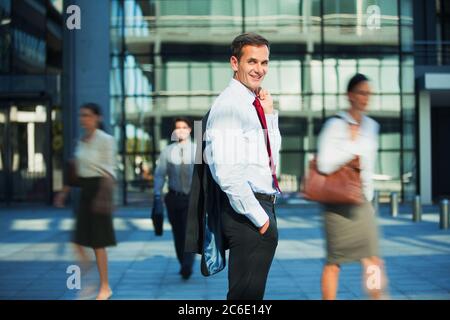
(266, 197)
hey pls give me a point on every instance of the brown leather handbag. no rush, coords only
(340, 187)
(103, 201)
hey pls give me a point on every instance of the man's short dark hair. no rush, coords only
(245, 39)
(183, 119)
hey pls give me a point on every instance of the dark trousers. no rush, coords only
(177, 208)
(251, 253)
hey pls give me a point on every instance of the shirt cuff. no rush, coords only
(272, 120)
(259, 217)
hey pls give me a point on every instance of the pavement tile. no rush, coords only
(35, 254)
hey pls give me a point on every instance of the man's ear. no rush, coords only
(234, 63)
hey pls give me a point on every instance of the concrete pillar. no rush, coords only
(425, 147)
(86, 66)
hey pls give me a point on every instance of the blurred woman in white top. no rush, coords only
(351, 230)
(95, 156)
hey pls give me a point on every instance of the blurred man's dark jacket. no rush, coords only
(204, 223)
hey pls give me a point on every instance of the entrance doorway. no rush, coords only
(440, 134)
(25, 153)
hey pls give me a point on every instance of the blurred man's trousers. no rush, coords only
(177, 207)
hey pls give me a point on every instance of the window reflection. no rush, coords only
(174, 61)
(350, 23)
(5, 35)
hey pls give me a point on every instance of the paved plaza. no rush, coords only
(35, 252)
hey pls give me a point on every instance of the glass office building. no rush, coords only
(171, 58)
(31, 140)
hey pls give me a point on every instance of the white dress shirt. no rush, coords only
(335, 148)
(236, 151)
(96, 155)
(171, 162)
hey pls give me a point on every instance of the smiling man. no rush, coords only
(241, 158)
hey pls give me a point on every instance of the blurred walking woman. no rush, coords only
(351, 230)
(94, 162)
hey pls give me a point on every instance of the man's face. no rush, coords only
(252, 67)
(182, 130)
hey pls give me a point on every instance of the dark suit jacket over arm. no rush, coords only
(204, 223)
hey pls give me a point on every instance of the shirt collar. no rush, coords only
(92, 139)
(347, 116)
(243, 91)
(187, 143)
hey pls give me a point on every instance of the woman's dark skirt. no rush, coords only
(351, 232)
(92, 229)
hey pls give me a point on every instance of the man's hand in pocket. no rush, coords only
(264, 228)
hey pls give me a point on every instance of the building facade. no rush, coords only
(148, 61)
(432, 92)
(171, 57)
(31, 142)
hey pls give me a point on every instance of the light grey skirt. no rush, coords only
(351, 232)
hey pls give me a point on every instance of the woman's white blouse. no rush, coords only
(335, 148)
(96, 155)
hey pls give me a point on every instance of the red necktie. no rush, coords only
(262, 119)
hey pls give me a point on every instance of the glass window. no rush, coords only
(200, 76)
(387, 177)
(409, 175)
(293, 21)
(370, 25)
(136, 23)
(408, 76)
(197, 18)
(407, 38)
(272, 79)
(221, 75)
(115, 78)
(138, 107)
(176, 76)
(312, 77)
(5, 35)
(174, 7)
(29, 38)
(137, 76)
(5, 8)
(116, 110)
(116, 31)
(58, 5)
(290, 76)
(177, 63)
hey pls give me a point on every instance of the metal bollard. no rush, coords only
(417, 212)
(376, 201)
(443, 217)
(394, 204)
